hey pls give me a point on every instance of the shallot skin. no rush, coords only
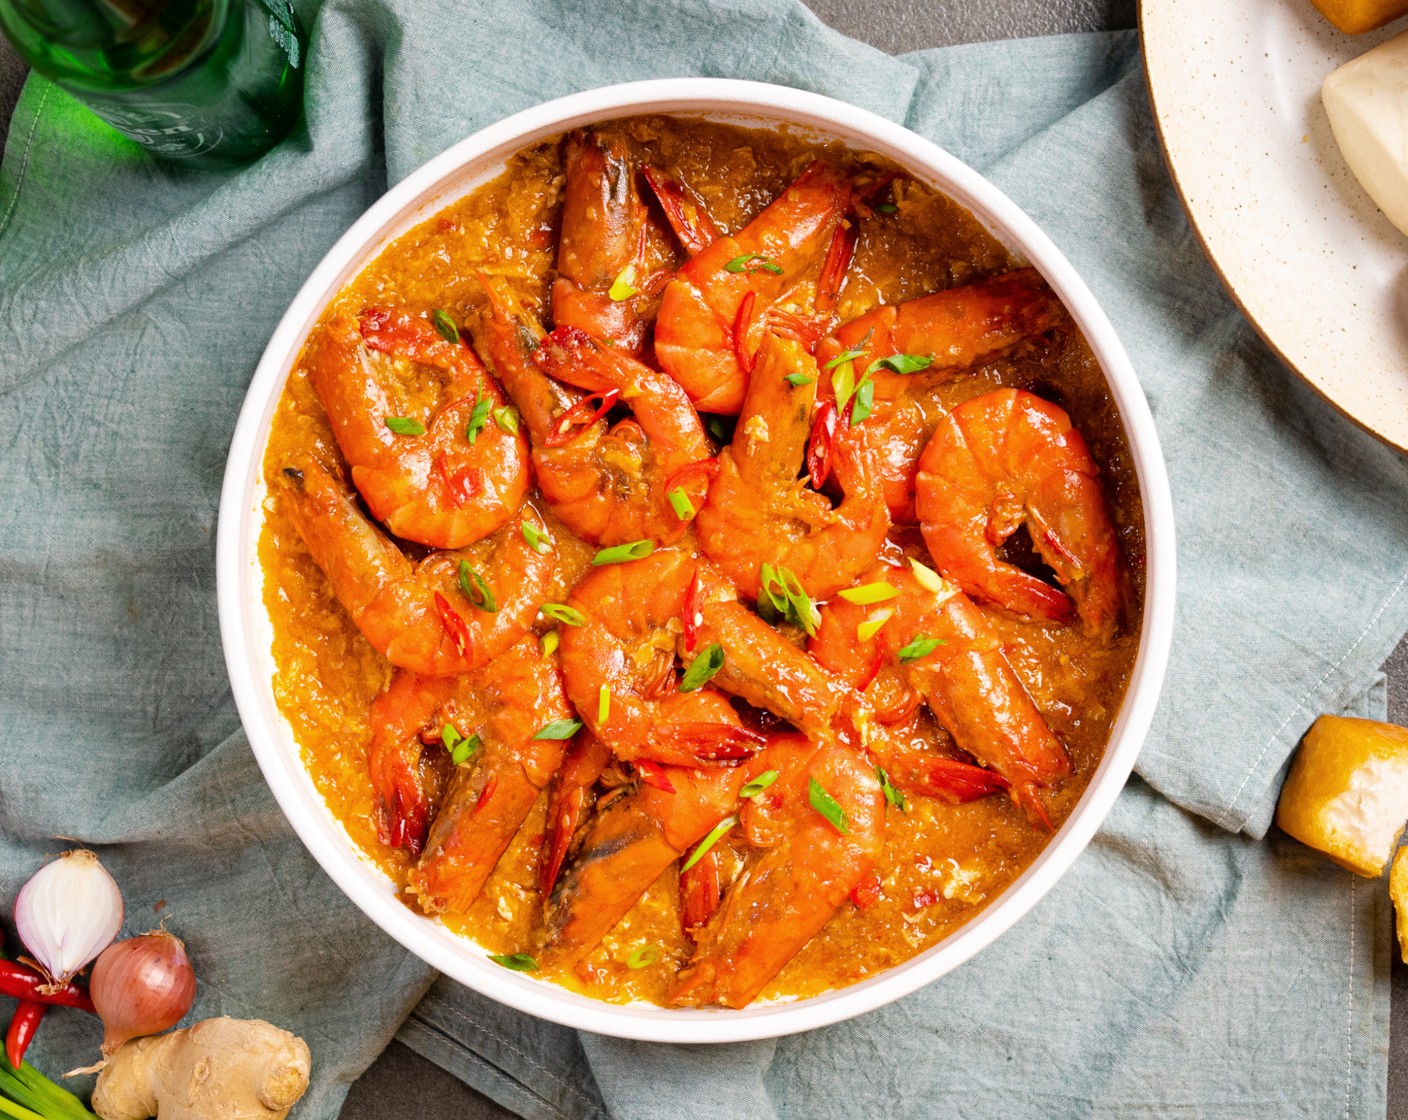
(68, 912)
(141, 986)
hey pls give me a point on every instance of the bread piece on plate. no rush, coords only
(1355, 16)
(1398, 891)
(1347, 792)
(1366, 100)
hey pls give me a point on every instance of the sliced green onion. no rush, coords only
(460, 748)
(476, 590)
(782, 596)
(603, 704)
(868, 593)
(843, 384)
(827, 806)
(926, 577)
(644, 956)
(680, 503)
(620, 553)
(803, 610)
(548, 643)
(753, 262)
(561, 612)
(709, 841)
(445, 325)
(519, 962)
(720, 427)
(560, 729)
(798, 379)
(703, 667)
(920, 647)
(537, 540)
(892, 795)
(624, 286)
(507, 419)
(871, 626)
(887, 208)
(479, 417)
(900, 363)
(844, 356)
(405, 426)
(758, 784)
(863, 404)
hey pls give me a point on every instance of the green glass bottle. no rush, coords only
(206, 83)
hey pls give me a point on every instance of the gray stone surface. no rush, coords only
(401, 1085)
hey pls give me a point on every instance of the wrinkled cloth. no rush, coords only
(1183, 966)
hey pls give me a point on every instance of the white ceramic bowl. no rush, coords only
(247, 635)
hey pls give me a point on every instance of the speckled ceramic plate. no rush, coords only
(1311, 261)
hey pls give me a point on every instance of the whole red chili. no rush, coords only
(23, 983)
(23, 1024)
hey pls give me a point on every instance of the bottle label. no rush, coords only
(169, 132)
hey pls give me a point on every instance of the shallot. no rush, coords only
(141, 986)
(68, 913)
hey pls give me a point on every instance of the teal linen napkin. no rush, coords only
(1182, 966)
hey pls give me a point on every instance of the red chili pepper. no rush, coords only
(689, 220)
(690, 596)
(463, 484)
(21, 982)
(484, 794)
(867, 892)
(741, 323)
(653, 774)
(580, 417)
(23, 1024)
(454, 625)
(833, 268)
(873, 672)
(820, 447)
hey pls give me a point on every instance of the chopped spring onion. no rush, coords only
(680, 503)
(561, 612)
(703, 667)
(445, 325)
(753, 262)
(720, 427)
(461, 749)
(620, 553)
(709, 841)
(560, 729)
(479, 417)
(537, 540)
(798, 379)
(900, 363)
(548, 643)
(827, 806)
(782, 596)
(644, 956)
(624, 286)
(476, 590)
(519, 962)
(926, 577)
(758, 784)
(844, 356)
(863, 403)
(843, 384)
(868, 593)
(887, 208)
(405, 426)
(603, 704)
(920, 647)
(892, 795)
(871, 626)
(507, 419)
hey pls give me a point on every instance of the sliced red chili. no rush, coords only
(23, 1023)
(822, 444)
(687, 217)
(741, 322)
(454, 625)
(874, 671)
(24, 983)
(463, 484)
(653, 774)
(580, 417)
(484, 794)
(866, 893)
(691, 596)
(833, 268)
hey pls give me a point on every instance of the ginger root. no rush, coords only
(219, 1069)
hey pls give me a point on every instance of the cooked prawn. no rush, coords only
(811, 864)
(713, 313)
(568, 802)
(458, 480)
(609, 484)
(1005, 459)
(954, 329)
(423, 617)
(936, 647)
(758, 510)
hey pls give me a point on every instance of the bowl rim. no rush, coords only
(443, 178)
